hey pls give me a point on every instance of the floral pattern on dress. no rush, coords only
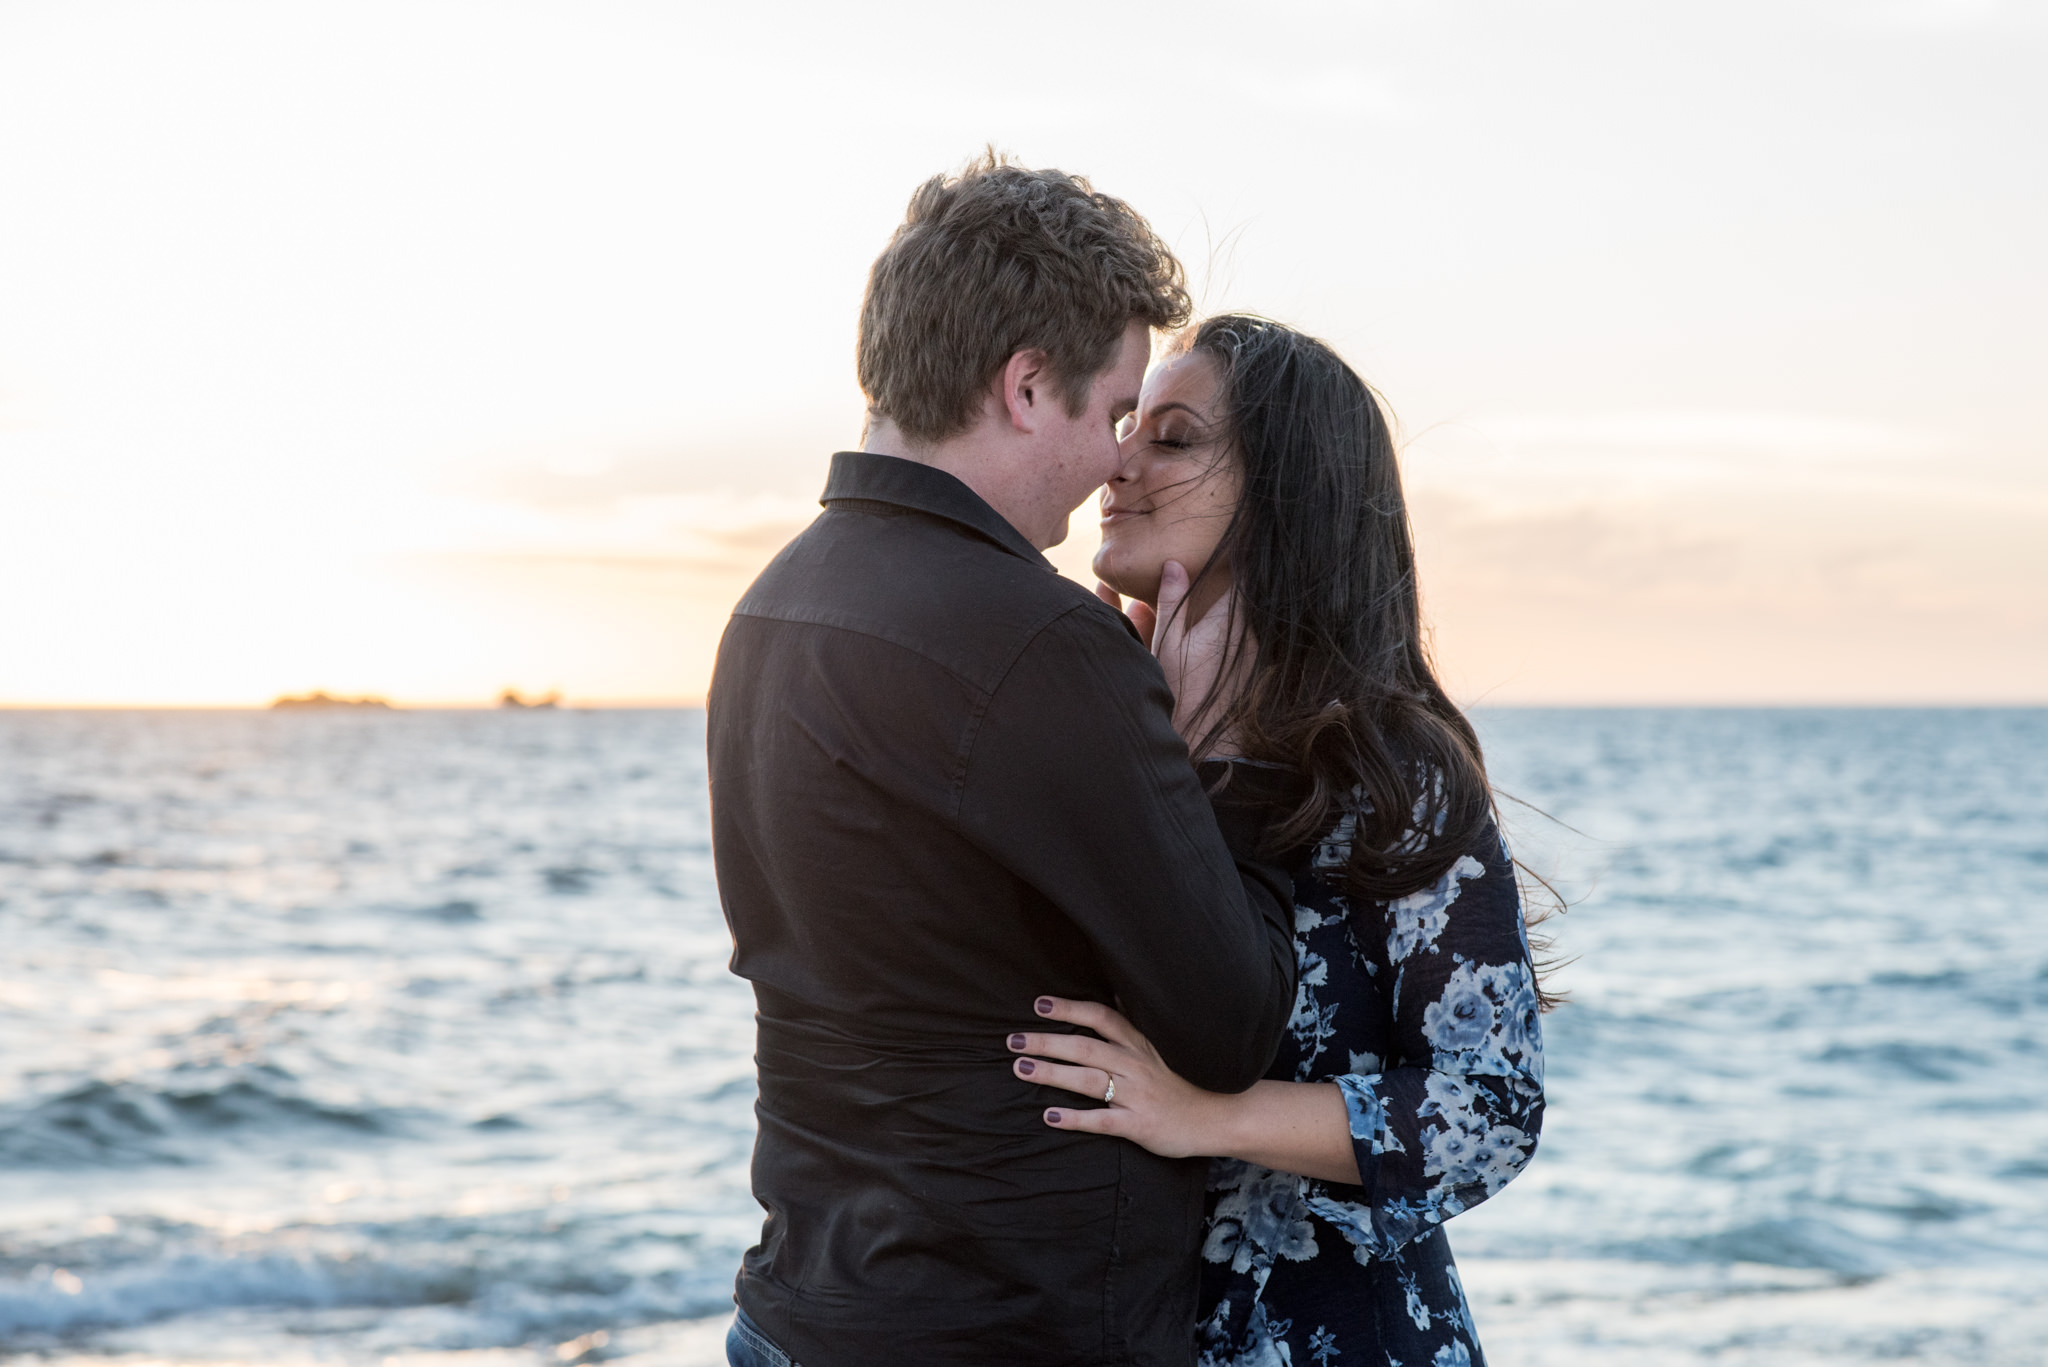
(1423, 1011)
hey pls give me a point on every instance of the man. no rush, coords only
(944, 781)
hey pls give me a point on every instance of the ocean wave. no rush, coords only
(451, 912)
(1799, 1242)
(62, 1301)
(100, 1122)
(1915, 1059)
(571, 880)
(502, 1282)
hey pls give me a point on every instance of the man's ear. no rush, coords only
(1023, 388)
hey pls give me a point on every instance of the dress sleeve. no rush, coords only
(1452, 1113)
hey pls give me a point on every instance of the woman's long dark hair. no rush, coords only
(1319, 552)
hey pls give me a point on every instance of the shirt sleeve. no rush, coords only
(1454, 1112)
(1076, 781)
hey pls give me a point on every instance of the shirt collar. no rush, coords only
(928, 489)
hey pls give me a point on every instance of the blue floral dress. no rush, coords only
(1423, 1011)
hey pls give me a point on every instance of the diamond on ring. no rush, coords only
(1109, 1092)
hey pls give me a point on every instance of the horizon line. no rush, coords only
(685, 704)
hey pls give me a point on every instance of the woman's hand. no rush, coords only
(1197, 654)
(1300, 1127)
(1151, 1106)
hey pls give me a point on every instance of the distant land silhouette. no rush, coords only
(317, 699)
(510, 698)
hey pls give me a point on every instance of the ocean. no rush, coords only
(406, 1039)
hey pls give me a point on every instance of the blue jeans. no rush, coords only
(747, 1346)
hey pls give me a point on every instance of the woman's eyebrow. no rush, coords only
(1172, 404)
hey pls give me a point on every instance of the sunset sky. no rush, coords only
(426, 349)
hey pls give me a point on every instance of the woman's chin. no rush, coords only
(1141, 584)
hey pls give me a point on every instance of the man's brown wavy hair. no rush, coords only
(999, 259)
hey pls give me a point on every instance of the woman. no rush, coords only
(1410, 1086)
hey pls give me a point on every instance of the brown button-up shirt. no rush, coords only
(944, 781)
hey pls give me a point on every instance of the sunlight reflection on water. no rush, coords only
(390, 1038)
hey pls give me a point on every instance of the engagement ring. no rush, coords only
(1109, 1092)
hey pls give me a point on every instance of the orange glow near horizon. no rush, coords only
(428, 350)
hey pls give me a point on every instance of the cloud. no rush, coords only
(1711, 592)
(21, 408)
(724, 554)
(1920, 15)
(1580, 553)
(1344, 91)
(584, 478)
(1809, 436)
(691, 566)
(1621, 458)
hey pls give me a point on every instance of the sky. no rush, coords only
(433, 348)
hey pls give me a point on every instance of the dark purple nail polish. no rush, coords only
(1044, 1006)
(1052, 1117)
(1026, 1067)
(1016, 1041)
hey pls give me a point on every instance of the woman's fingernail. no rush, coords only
(1043, 1006)
(1052, 1117)
(1016, 1041)
(1026, 1067)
